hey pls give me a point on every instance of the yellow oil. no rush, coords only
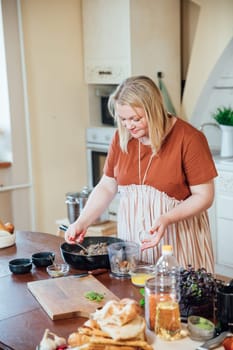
(167, 324)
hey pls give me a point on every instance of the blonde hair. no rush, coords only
(141, 92)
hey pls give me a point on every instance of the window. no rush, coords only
(5, 125)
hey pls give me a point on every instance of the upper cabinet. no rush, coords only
(132, 37)
(106, 40)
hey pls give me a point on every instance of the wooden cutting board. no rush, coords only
(63, 297)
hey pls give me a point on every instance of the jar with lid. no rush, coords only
(161, 297)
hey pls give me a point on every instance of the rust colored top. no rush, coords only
(184, 160)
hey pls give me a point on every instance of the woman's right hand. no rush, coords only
(75, 233)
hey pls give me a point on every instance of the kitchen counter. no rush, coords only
(225, 164)
(22, 319)
(221, 216)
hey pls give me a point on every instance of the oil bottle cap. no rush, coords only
(167, 249)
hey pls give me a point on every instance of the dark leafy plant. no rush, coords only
(198, 289)
(224, 116)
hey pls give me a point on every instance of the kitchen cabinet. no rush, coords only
(131, 37)
(223, 234)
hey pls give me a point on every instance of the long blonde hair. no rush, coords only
(141, 92)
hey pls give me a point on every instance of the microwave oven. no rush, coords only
(106, 117)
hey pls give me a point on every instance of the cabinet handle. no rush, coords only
(105, 72)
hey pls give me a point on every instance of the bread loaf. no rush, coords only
(77, 339)
(117, 312)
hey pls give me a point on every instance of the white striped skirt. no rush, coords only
(141, 205)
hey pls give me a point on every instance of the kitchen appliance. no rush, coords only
(123, 257)
(103, 94)
(70, 254)
(75, 203)
(225, 307)
(98, 140)
(106, 117)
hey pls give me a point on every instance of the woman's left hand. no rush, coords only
(157, 232)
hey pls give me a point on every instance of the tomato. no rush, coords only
(228, 343)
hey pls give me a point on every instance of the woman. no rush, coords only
(163, 170)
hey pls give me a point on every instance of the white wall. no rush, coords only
(57, 103)
(214, 30)
(57, 94)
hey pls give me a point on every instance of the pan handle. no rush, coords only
(63, 228)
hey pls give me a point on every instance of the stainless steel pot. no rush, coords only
(75, 202)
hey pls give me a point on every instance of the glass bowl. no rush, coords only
(123, 257)
(200, 328)
(58, 270)
(141, 273)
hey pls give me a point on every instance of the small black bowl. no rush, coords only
(19, 266)
(43, 259)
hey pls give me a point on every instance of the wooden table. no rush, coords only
(22, 320)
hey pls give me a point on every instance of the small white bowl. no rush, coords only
(200, 328)
(58, 270)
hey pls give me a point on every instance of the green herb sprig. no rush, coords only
(94, 296)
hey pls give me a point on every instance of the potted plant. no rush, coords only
(224, 118)
(198, 292)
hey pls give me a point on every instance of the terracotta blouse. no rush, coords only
(184, 160)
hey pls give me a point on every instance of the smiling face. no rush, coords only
(133, 119)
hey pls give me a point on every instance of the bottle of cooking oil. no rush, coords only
(163, 290)
(167, 320)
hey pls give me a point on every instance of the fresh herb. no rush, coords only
(142, 300)
(94, 296)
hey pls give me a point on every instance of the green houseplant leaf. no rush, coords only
(224, 116)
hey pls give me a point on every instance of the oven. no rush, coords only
(98, 140)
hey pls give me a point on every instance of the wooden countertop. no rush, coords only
(23, 321)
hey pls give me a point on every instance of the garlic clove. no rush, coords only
(59, 340)
(47, 343)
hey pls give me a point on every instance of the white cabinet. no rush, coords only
(224, 223)
(106, 40)
(131, 37)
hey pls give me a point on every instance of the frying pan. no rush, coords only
(69, 253)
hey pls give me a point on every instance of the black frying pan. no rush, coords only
(87, 262)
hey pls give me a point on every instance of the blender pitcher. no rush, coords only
(225, 307)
